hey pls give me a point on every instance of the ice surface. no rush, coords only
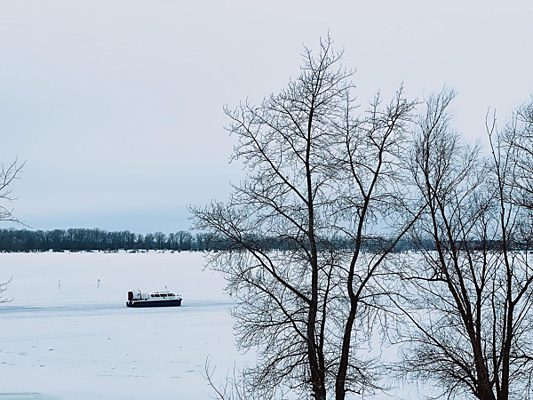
(63, 337)
(66, 336)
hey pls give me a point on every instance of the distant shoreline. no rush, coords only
(96, 240)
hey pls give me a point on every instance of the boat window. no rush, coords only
(156, 295)
(152, 295)
(171, 294)
(163, 295)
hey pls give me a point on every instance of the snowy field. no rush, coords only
(63, 337)
(67, 334)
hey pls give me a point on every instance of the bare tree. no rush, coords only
(468, 294)
(7, 176)
(3, 289)
(517, 140)
(316, 171)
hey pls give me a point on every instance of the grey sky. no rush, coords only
(117, 105)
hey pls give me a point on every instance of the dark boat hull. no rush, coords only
(154, 303)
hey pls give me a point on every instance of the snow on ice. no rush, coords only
(67, 334)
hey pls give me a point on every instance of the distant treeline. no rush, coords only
(22, 240)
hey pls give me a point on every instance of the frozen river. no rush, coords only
(68, 335)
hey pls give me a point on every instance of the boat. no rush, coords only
(165, 298)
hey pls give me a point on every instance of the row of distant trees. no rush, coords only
(23, 240)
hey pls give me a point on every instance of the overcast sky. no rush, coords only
(117, 105)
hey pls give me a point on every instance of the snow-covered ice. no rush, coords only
(67, 334)
(63, 337)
